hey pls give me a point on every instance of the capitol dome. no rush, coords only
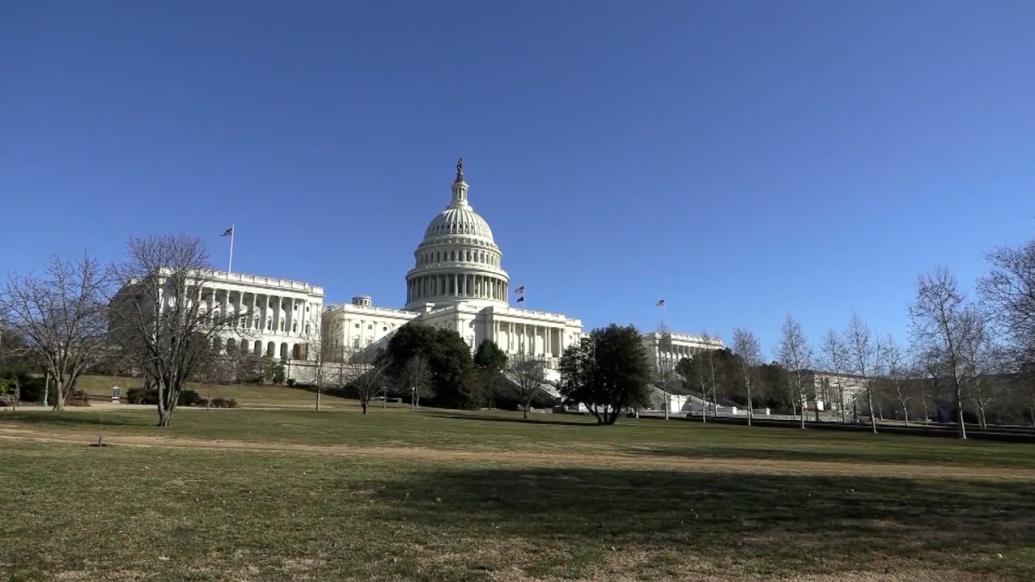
(458, 260)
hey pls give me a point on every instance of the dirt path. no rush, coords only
(588, 457)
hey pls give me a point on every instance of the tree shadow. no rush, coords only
(530, 421)
(72, 419)
(879, 453)
(777, 523)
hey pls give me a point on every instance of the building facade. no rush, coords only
(262, 316)
(457, 283)
(830, 391)
(665, 349)
(272, 317)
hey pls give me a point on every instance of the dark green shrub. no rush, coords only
(278, 373)
(141, 396)
(223, 403)
(78, 398)
(189, 398)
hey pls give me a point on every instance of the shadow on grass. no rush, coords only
(530, 421)
(74, 419)
(768, 524)
(878, 452)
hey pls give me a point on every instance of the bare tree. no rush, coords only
(694, 372)
(984, 358)
(316, 351)
(835, 358)
(861, 348)
(415, 378)
(796, 355)
(166, 313)
(528, 375)
(62, 316)
(1009, 291)
(943, 325)
(745, 345)
(896, 374)
(371, 379)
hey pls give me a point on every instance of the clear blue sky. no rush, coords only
(743, 160)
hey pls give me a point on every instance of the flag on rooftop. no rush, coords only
(520, 290)
(228, 232)
(660, 303)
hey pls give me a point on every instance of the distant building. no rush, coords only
(272, 317)
(457, 283)
(828, 390)
(665, 349)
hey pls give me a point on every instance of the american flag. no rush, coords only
(228, 232)
(660, 303)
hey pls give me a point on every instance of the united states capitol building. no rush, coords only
(457, 283)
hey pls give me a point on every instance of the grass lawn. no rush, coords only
(275, 494)
(247, 395)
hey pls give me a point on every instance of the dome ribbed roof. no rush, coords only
(458, 221)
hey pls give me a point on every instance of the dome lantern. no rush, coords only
(458, 260)
(460, 187)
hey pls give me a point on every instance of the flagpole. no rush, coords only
(230, 265)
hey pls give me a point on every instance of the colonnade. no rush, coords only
(521, 338)
(269, 313)
(456, 285)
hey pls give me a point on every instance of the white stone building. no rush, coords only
(273, 317)
(457, 283)
(278, 318)
(828, 389)
(666, 348)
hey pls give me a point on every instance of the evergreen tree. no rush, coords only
(607, 372)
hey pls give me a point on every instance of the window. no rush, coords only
(355, 343)
(370, 326)
(357, 326)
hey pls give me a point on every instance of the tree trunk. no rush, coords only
(751, 410)
(873, 419)
(363, 405)
(168, 401)
(801, 395)
(318, 398)
(959, 412)
(905, 411)
(59, 394)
